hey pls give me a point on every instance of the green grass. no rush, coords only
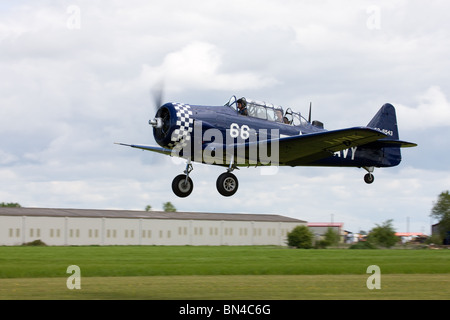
(25, 262)
(236, 287)
(153, 272)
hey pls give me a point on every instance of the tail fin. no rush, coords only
(386, 121)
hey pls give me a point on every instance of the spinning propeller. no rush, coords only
(161, 122)
(157, 93)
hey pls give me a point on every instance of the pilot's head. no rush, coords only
(241, 103)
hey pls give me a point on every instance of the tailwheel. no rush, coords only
(182, 185)
(227, 184)
(369, 178)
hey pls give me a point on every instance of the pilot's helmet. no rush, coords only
(242, 101)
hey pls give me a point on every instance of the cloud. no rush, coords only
(198, 66)
(432, 110)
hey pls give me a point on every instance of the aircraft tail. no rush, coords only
(386, 121)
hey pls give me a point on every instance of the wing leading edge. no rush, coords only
(148, 148)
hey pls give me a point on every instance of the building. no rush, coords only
(319, 229)
(411, 236)
(436, 230)
(62, 227)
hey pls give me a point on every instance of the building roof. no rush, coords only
(131, 214)
(409, 234)
(326, 224)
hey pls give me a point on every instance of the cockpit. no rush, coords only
(265, 111)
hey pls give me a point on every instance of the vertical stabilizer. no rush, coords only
(386, 121)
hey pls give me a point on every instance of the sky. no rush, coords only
(77, 76)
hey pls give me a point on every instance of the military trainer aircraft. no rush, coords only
(244, 133)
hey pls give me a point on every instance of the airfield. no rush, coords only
(222, 273)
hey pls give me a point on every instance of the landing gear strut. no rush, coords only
(182, 185)
(369, 177)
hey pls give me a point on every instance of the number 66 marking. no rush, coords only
(243, 131)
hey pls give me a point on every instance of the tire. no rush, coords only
(181, 187)
(369, 178)
(227, 184)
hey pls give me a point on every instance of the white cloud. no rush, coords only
(198, 66)
(432, 110)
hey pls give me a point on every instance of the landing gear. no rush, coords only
(227, 184)
(182, 185)
(369, 177)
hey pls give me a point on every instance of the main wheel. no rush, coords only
(181, 187)
(227, 184)
(369, 178)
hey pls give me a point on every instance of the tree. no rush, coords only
(331, 237)
(10, 205)
(169, 207)
(383, 235)
(441, 212)
(148, 208)
(300, 237)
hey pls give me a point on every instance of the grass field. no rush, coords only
(152, 272)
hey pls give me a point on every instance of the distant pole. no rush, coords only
(407, 224)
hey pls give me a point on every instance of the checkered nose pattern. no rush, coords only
(184, 126)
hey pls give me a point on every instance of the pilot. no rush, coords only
(279, 116)
(242, 106)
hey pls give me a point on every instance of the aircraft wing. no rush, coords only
(148, 148)
(303, 149)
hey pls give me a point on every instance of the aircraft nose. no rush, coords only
(156, 123)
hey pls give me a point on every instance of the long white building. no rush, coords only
(62, 227)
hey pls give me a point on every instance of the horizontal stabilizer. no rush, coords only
(392, 144)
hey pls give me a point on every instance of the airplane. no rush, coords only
(245, 132)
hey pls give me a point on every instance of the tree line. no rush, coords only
(382, 235)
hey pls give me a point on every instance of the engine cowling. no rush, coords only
(173, 125)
